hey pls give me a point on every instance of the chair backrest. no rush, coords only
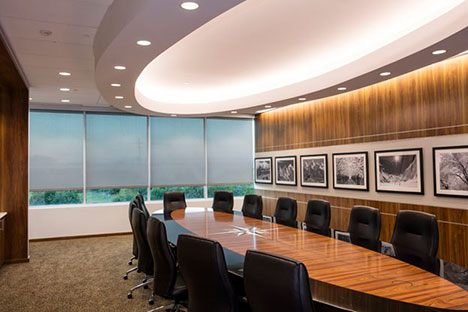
(286, 211)
(317, 218)
(253, 206)
(223, 201)
(141, 204)
(364, 227)
(415, 239)
(133, 205)
(165, 269)
(203, 267)
(274, 283)
(145, 259)
(173, 201)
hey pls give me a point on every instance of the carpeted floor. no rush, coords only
(73, 275)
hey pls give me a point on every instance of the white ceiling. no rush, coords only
(69, 48)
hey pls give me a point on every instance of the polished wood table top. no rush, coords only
(327, 260)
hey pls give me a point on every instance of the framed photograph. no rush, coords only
(263, 170)
(399, 171)
(314, 170)
(285, 170)
(450, 171)
(350, 171)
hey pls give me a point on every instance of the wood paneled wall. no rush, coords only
(431, 101)
(427, 102)
(14, 110)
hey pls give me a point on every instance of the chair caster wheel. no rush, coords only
(130, 262)
(138, 271)
(129, 296)
(125, 277)
(145, 287)
(151, 301)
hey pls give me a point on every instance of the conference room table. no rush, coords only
(340, 273)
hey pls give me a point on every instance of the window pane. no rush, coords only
(177, 151)
(230, 151)
(114, 195)
(56, 151)
(116, 151)
(56, 197)
(194, 191)
(236, 189)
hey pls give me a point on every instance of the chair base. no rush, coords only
(130, 262)
(173, 307)
(144, 284)
(125, 277)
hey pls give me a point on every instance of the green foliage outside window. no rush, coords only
(236, 189)
(114, 195)
(55, 197)
(196, 191)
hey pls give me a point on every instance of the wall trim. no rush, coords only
(33, 240)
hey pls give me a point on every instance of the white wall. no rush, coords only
(92, 219)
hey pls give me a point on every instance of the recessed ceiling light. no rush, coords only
(65, 101)
(438, 52)
(189, 5)
(119, 97)
(302, 99)
(144, 43)
(30, 98)
(120, 67)
(128, 106)
(233, 112)
(173, 115)
(115, 84)
(267, 106)
(383, 74)
(341, 88)
(64, 89)
(65, 74)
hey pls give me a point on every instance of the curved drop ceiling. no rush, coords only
(234, 55)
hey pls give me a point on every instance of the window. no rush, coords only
(236, 189)
(194, 191)
(114, 195)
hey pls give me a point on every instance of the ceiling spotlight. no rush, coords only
(119, 97)
(65, 101)
(341, 88)
(267, 106)
(30, 98)
(64, 89)
(128, 106)
(115, 84)
(65, 74)
(302, 99)
(173, 115)
(120, 67)
(189, 5)
(143, 43)
(233, 112)
(383, 74)
(438, 52)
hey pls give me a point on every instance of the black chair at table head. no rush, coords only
(223, 201)
(141, 204)
(167, 282)
(317, 218)
(253, 206)
(173, 201)
(364, 227)
(415, 239)
(203, 266)
(286, 211)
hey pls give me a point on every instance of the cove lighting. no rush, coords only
(64, 89)
(65, 101)
(119, 97)
(383, 74)
(143, 43)
(341, 88)
(120, 67)
(128, 106)
(438, 52)
(64, 74)
(189, 5)
(115, 85)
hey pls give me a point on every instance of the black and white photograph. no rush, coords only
(399, 171)
(350, 171)
(314, 171)
(263, 170)
(286, 170)
(451, 171)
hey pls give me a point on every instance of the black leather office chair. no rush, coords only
(141, 204)
(286, 211)
(415, 239)
(364, 227)
(173, 201)
(317, 218)
(203, 267)
(145, 259)
(223, 201)
(167, 282)
(274, 283)
(131, 206)
(253, 206)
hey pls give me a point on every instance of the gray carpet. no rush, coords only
(73, 275)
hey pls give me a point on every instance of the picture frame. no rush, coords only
(450, 165)
(351, 171)
(264, 170)
(285, 168)
(399, 171)
(314, 170)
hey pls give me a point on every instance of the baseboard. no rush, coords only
(77, 236)
(13, 261)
